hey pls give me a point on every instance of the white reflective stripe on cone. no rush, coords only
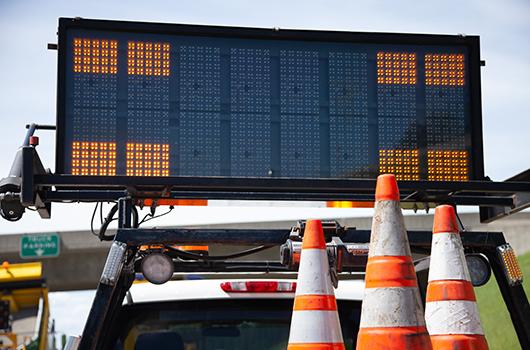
(309, 327)
(447, 258)
(453, 317)
(388, 218)
(315, 269)
(392, 307)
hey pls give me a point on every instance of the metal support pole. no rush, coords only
(109, 297)
(124, 212)
(112, 286)
(98, 311)
(27, 185)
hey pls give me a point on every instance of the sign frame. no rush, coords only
(470, 42)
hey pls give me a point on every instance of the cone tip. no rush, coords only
(313, 235)
(386, 188)
(445, 219)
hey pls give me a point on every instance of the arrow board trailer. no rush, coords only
(167, 100)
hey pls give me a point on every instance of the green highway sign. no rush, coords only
(40, 246)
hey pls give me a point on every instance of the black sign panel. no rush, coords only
(158, 100)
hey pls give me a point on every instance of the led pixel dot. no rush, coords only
(444, 70)
(94, 158)
(404, 164)
(95, 56)
(151, 59)
(146, 159)
(447, 165)
(396, 68)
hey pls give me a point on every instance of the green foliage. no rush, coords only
(496, 320)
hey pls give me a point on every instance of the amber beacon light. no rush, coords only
(510, 265)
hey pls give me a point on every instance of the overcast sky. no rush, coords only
(28, 71)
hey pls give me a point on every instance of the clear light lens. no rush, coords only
(510, 266)
(359, 249)
(479, 269)
(286, 287)
(112, 269)
(157, 268)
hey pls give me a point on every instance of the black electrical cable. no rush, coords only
(101, 214)
(153, 216)
(187, 255)
(105, 224)
(110, 218)
(92, 220)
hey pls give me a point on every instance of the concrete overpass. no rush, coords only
(82, 255)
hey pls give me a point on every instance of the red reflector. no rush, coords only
(259, 287)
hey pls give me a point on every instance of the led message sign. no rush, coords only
(157, 100)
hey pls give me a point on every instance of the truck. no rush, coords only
(24, 308)
(152, 115)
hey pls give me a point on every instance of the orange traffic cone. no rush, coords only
(315, 323)
(451, 311)
(392, 313)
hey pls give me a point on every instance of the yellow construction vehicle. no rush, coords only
(25, 313)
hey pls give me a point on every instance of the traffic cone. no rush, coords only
(392, 312)
(451, 311)
(315, 323)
